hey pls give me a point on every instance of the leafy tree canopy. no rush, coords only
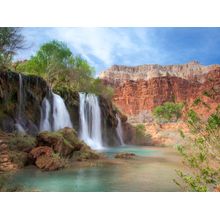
(64, 71)
(11, 40)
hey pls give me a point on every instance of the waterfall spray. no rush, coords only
(18, 124)
(54, 114)
(119, 130)
(90, 120)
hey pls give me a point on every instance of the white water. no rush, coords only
(90, 120)
(18, 124)
(119, 130)
(61, 117)
(60, 114)
(45, 116)
(20, 128)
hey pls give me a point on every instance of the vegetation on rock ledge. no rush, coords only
(169, 111)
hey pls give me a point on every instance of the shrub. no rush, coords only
(202, 154)
(21, 142)
(169, 111)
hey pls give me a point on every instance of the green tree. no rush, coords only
(55, 62)
(11, 40)
(169, 111)
(64, 71)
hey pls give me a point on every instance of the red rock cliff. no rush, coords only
(134, 96)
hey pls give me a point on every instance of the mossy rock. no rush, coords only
(64, 141)
(18, 158)
(21, 142)
(49, 163)
(86, 153)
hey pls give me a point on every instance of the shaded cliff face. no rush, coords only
(33, 92)
(141, 95)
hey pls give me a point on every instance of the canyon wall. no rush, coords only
(139, 89)
(118, 74)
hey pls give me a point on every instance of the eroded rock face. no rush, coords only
(5, 161)
(135, 96)
(117, 75)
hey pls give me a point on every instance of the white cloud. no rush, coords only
(103, 47)
(102, 43)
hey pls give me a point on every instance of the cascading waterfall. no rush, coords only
(18, 124)
(119, 130)
(61, 117)
(90, 120)
(54, 114)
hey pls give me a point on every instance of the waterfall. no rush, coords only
(18, 124)
(119, 130)
(20, 97)
(90, 120)
(61, 117)
(45, 116)
(54, 114)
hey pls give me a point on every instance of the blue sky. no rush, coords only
(103, 47)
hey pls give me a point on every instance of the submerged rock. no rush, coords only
(125, 155)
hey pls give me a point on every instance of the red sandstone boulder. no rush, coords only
(49, 163)
(39, 151)
(45, 158)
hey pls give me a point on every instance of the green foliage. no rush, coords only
(21, 142)
(141, 137)
(18, 157)
(169, 111)
(64, 71)
(202, 155)
(53, 61)
(197, 101)
(11, 40)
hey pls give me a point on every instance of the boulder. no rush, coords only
(45, 158)
(49, 163)
(39, 151)
(64, 141)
